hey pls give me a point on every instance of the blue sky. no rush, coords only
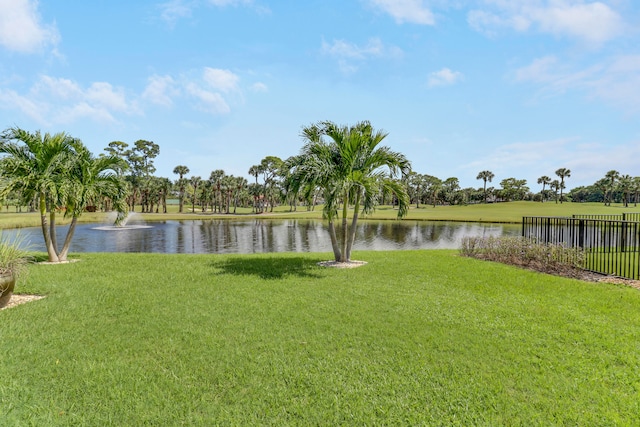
(520, 88)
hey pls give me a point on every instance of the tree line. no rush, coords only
(340, 167)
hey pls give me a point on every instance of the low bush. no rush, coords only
(524, 252)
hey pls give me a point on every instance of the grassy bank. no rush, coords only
(416, 337)
(511, 212)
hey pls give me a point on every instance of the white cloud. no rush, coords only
(591, 22)
(21, 29)
(32, 108)
(587, 161)
(348, 54)
(222, 80)
(173, 10)
(615, 80)
(209, 87)
(259, 87)
(53, 100)
(444, 77)
(160, 90)
(230, 2)
(210, 102)
(412, 11)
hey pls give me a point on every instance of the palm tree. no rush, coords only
(181, 171)
(255, 171)
(544, 180)
(241, 184)
(195, 181)
(555, 186)
(59, 172)
(612, 176)
(625, 185)
(91, 179)
(216, 181)
(164, 188)
(636, 189)
(349, 166)
(33, 166)
(562, 174)
(485, 176)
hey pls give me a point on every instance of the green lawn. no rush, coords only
(412, 338)
(511, 212)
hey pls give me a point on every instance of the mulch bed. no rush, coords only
(21, 299)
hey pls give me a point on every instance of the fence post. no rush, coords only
(581, 233)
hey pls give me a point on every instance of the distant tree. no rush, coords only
(563, 173)
(636, 189)
(450, 188)
(241, 185)
(611, 177)
(270, 168)
(625, 186)
(485, 176)
(181, 171)
(255, 171)
(433, 188)
(513, 189)
(555, 187)
(195, 182)
(216, 178)
(544, 180)
(416, 186)
(164, 188)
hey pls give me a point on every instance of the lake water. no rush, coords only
(261, 235)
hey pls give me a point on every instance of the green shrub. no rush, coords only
(524, 252)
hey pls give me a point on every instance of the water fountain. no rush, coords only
(125, 224)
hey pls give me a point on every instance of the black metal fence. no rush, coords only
(610, 246)
(625, 216)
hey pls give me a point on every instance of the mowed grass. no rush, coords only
(511, 212)
(411, 338)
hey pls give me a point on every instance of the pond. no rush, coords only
(261, 235)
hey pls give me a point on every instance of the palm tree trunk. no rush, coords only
(352, 230)
(51, 252)
(67, 241)
(345, 228)
(52, 228)
(334, 241)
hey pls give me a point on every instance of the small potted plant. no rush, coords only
(13, 263)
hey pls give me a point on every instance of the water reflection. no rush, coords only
(258, 235)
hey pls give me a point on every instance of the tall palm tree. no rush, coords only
(59, 172)
(612, 176)
(241, 184)
(34, 165)
(181, 171)
(255, 171)
(636, 189)
(544, 180)
(91, 179)
(216, 177)
(485, 176)
(555, 186)
(352, 169)
(562, 174)
(195, 182)
(165, 188)
(625, 185)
